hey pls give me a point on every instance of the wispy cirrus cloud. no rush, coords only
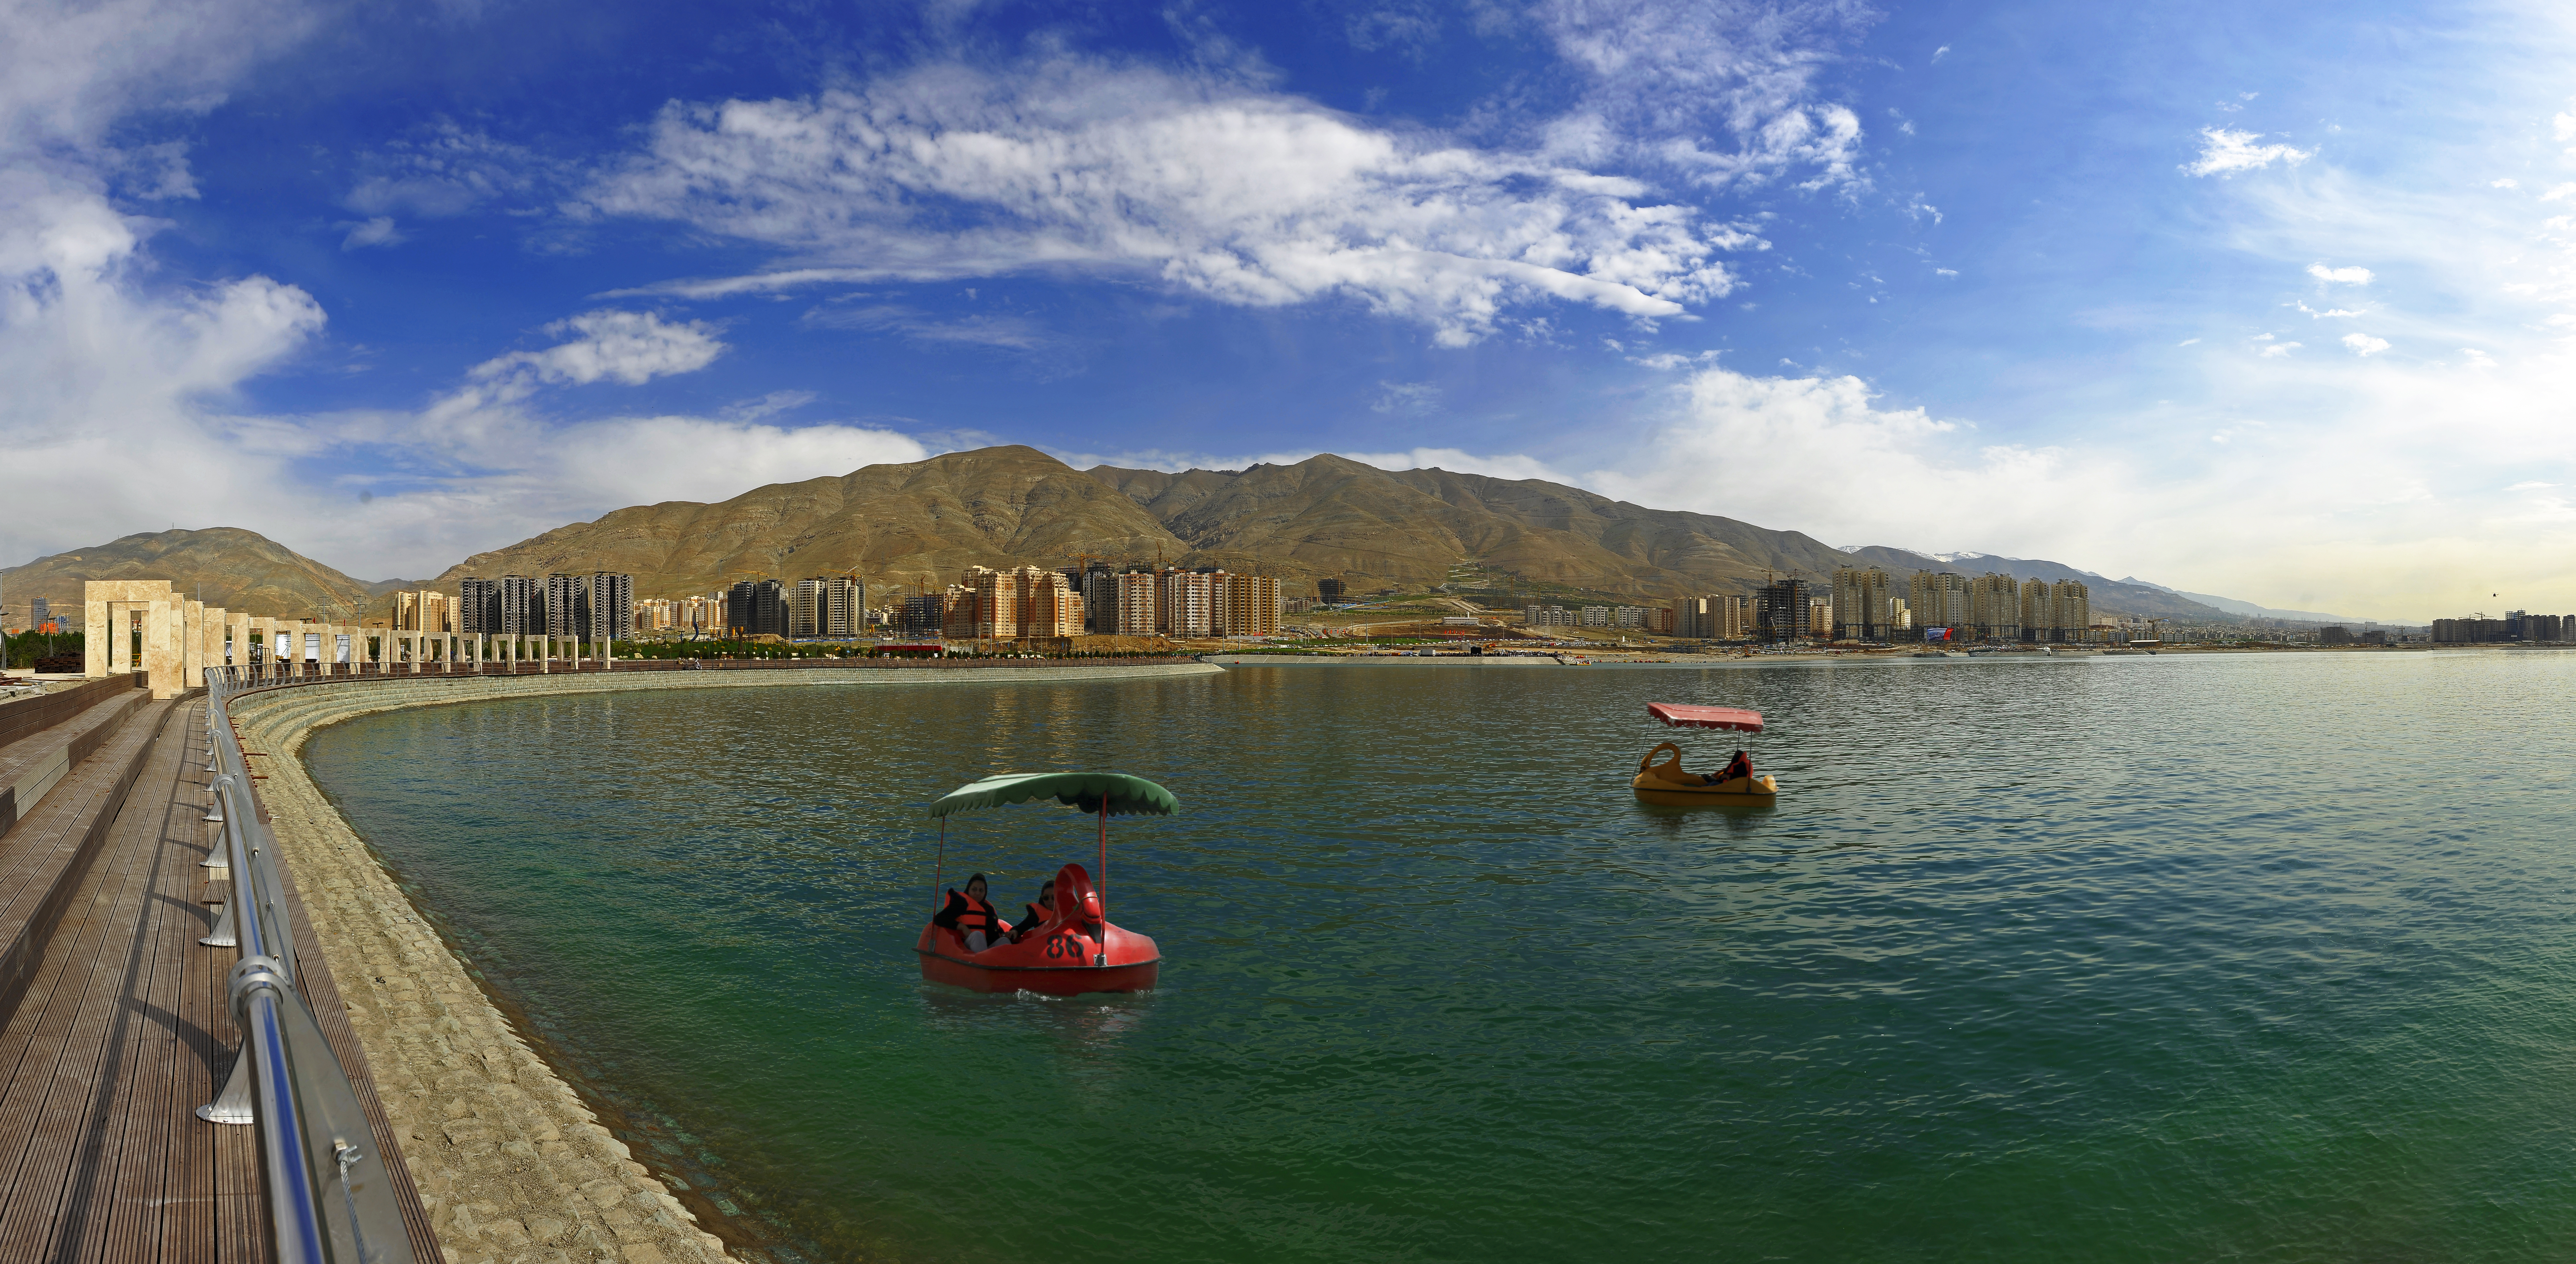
(1003, 332)
(1665, 81)
(1407, 399)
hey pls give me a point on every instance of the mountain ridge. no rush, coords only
(918, 524)
(237, 569)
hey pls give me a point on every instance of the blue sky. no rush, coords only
(2271, 301)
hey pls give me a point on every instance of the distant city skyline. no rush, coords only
(2259, 300)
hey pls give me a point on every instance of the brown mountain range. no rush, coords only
(223, 566)
(922, 523)
(908, 524)
(926, 521)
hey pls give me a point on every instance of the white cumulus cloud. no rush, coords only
(2364, 345)
(2224, 152)
(2340, 276)
(117, 377)
(1896, 472)
(1226, 190)
(629, 347)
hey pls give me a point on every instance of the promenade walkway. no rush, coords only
(121, 1029)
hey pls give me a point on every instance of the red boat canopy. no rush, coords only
(1688, 717)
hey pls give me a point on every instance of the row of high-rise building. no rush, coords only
(1099, 599)
(989, 604)
(1648, 618)
(596, 607)
(986, 604)
(2516, 625)
(1991, 607)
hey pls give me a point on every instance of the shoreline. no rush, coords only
(509, 1157)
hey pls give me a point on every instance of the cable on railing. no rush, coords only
(330, 1200)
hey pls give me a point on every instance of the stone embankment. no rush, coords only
(513, 1164)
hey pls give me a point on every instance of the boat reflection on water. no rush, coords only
(1092, 1023)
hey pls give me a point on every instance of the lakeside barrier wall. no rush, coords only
(508, 1158)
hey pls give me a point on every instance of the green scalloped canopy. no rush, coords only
(1127, 796)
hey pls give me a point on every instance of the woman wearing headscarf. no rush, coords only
(971, 916)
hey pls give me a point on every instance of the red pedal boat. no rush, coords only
(1077, 949)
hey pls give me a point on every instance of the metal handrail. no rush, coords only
(330, 1200)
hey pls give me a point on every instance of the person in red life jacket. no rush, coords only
(1039, 913)
(1740, 766)
(971, 916)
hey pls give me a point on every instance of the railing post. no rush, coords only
(329, 1197)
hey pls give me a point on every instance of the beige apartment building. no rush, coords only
(828, 606)
(1864, 604)
(1186, 604)
(1006, 605)
(1939, 599)
(1049, 605)
(426, 610)
(1715, 617)
(1247, 605)
(1994, 608)
(1139, 604)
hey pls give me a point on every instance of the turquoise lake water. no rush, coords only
(2172, 958)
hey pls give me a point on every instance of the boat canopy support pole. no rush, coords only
(937, 865)
(1102, 886)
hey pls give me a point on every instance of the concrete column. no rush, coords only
(192, 644)
(211, 624)
(93, 632)
(120, 637)
(545, 652)
(162, 661)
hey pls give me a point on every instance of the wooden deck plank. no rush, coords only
(55, 1187)
(146, 1113)
(49, 858)
(122, 1032)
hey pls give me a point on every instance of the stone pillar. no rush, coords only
(163, 663)
(118, 635)
(192, 644)
(211, 622)
(108, 610)
(93, 632)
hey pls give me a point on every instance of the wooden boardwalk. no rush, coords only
(122, 1031)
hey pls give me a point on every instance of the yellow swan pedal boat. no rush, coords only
(1667, 785)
